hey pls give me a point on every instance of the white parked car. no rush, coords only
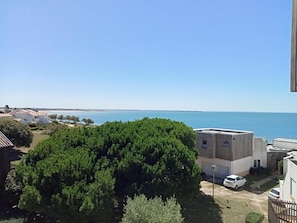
(234, 181)
(274, 193)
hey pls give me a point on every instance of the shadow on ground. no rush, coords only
(16, 154)
(201, 208)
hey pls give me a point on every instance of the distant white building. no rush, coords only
(285, 144)
(6, 115)
(30, 116)
(278, 150)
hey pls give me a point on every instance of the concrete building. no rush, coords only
(229, 151)
(278, 150)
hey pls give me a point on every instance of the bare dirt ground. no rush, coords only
(241, 199)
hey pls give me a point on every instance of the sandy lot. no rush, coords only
(226, 196)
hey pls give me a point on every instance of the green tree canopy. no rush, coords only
(88, 121)
(82, 172)
(53, 116)
(18, 133)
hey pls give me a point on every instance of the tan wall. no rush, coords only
(224, 147)
(242, 146)
(208, 150)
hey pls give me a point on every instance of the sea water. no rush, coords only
(263, 124)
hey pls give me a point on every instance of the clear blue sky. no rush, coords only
(209, 55)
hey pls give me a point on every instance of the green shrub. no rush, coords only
(280, 165)
(254, 217)
(34, 128)
(140, 209)
(12, 187)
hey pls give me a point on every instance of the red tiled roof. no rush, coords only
(4, 141)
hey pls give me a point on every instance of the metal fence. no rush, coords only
(282, 211)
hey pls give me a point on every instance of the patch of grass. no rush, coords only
(235, 210)
(37, 137)
(253, 178)
(221, 209)
(202, 208)
(269, 185)
(224, 207)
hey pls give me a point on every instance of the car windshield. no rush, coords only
(275, 191)
(230, 179)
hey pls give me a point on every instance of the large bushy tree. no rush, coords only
(80, 173)
(18, 133)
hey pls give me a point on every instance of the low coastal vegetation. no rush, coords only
(70, 119)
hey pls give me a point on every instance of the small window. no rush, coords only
(204, 143)
(292, 186)
(226, 143)
(257, 163)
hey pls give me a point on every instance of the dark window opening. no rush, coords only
(204, 143)
(226, 143)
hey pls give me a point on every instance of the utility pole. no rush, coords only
(294, 47)
(213, 178)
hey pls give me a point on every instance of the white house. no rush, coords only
(288, 186)
(30, 116)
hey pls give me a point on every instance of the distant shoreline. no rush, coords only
(139, 110)
(68, 109)
(99, 110)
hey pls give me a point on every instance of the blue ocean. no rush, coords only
(266, 125)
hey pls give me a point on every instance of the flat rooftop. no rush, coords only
(222, 131)
(286, 140)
